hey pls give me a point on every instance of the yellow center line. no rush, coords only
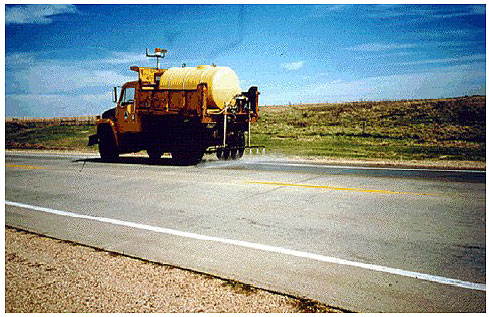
(380, 191)
(27, 167)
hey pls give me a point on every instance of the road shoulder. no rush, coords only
(43, 274)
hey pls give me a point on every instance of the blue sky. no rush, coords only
(62, 60)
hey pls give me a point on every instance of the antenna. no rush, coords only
(159, 53)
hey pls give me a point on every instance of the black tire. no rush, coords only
(237, 153)
(107, 146)
(190, 152)
(241, 151)
(187, 157)
(219, 154)
(233, 153)
(223, 154)
(226, 155)
(239, 147)
(154, 154)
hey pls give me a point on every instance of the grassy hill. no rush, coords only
(437, 129)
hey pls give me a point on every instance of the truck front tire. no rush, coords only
(107, 146)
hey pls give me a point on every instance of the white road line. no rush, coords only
(365, 167)
(262, 247)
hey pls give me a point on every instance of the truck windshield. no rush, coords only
(128, 95)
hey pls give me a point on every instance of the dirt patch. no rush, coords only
(48, 275)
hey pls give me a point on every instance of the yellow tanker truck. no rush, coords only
(185, 111)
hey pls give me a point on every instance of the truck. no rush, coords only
(184, 111)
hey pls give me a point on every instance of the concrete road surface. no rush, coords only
(362, 239)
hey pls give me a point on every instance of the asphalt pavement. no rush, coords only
(365, 239)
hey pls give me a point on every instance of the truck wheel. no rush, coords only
(154, 154)
(237, 153)
(240, 153)
(187, 156)
(239, 147)
(226, 154)
(223, 154)
(219, 154)
(107, 147)
(234, 153)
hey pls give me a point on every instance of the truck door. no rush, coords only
(127, 119)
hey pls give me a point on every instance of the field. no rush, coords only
(435, 130)
(440, 129)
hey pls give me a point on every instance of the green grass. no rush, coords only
(440, 129)
(22, 135)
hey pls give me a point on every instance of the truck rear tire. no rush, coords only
(107, 146)
(187, 156)
(154, 154)
(239, 147)
(219, 153)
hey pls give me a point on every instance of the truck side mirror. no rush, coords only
(114, 94)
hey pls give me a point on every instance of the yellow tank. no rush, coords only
(222, 82)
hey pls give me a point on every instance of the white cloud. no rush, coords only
(36, 13)
(126, 58)
(41, 76)
(53, 78)
(446, 60)
(321, 11)
(422, 13)
(382, 55)
(39, 87)
(439, 82)
(17, 59)
(454, 44)
(466, 11)
(478, 9)
(378, 47)
(451, 81)
(462, 34)
(293, 65)
(52, 105)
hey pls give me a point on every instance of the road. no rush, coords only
(361, 239)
